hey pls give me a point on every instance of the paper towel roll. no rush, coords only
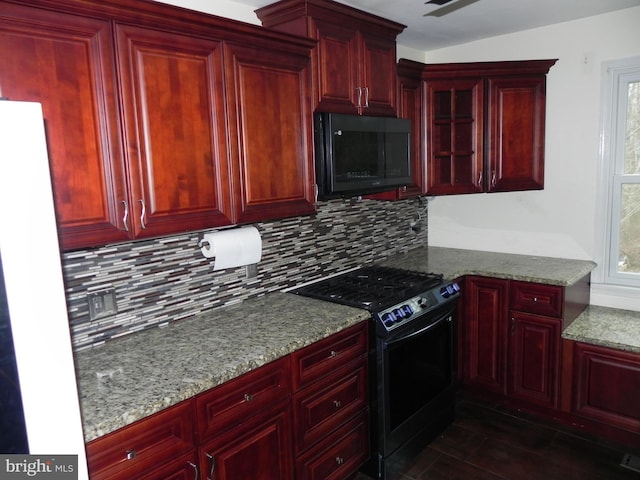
(232, 248)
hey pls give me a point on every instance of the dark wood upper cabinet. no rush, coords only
(270, 115)
(354, 62)
(161, 120)
(485, 126)
(455, 136)
(66, 63)
(516, 126)
(174, 131)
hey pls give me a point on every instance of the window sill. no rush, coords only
(615, 296)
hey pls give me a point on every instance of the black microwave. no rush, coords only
(357, 155)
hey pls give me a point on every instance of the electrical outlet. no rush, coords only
(252, 270)
(102, 304)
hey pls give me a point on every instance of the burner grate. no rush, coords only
(371, 287)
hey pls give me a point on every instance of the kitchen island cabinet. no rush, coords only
(161, 120)
(354, 64)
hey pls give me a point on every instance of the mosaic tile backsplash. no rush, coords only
(167, 279)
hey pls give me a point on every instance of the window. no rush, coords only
(620, 170)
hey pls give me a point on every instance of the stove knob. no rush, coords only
(444, 292)
(388, 319)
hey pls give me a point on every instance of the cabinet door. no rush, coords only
(174, 130)
(257, 449)
(336, 69)
(516, 121)
(270, 111)
(485, 333)
(605, 386)
(377, 82)
(66, 63)
(455, 136)
(534, 358)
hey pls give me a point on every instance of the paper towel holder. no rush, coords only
(204, 243)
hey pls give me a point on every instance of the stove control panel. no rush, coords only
(402, 313)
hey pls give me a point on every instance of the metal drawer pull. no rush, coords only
(333, 353)
(337, 403)
(125, 217)
(212, 465)
(195, 470)
(339, 460)
(131, 454)
(143, 213)
(247, 397)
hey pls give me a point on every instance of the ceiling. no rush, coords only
(476, 19)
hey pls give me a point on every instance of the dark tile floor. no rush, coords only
(487, 443)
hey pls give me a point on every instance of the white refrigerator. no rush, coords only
(34, 291)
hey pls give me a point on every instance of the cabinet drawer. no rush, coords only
(537, 298)
(323, 357)
(321, 408)
(133, 450)
(339, 455)
(242, 397)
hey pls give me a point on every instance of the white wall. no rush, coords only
(222, 8)
(558, 221)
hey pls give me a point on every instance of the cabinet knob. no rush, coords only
(333, 353)
(337, 403)
(131, 454)
(248, 397)
(339, 460)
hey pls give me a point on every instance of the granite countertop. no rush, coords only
(128, 379)
(607, 327)
(454, 263)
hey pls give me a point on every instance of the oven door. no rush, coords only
(416, 369)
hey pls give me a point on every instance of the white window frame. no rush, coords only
(622, 289)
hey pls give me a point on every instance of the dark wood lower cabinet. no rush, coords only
(606, 386)
(513, 352)
(534, 359)
(338, 455)
(484, 333)
(246, 429)
(259, 448)
(183, 468)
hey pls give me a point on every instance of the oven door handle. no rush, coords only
(447, 317)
